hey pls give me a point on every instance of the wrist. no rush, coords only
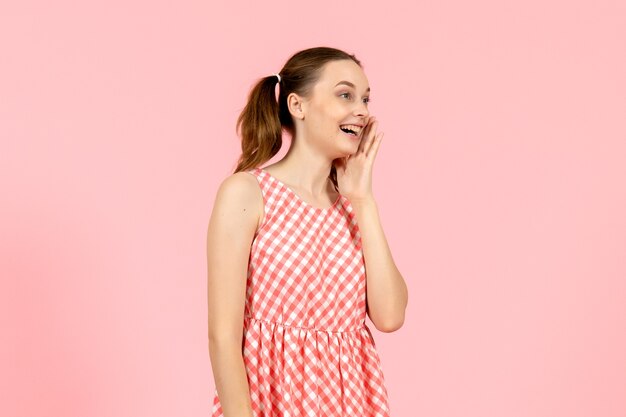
(363, 201)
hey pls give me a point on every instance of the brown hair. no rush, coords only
(263, 118)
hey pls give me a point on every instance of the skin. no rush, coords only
(238, 211)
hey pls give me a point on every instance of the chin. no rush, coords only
(346, 152)
(346, 146)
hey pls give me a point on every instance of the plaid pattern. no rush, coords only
(306, 347)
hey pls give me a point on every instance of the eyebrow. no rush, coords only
(349, 84)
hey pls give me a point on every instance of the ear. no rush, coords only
(294, 104)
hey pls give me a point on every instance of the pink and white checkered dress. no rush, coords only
(306, 348)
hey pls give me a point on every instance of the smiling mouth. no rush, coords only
(349, 131)
(352, 136)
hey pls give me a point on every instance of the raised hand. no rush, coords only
(354, 173)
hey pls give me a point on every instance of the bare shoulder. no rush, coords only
(239, 199)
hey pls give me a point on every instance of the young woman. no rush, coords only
(288, 247)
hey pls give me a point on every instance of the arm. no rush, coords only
(233, 222)
(387, 294)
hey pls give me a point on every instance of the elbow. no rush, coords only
(392, 321)
(391, 326)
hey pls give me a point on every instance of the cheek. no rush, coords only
(324, 122)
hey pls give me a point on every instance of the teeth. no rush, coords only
(354, 128)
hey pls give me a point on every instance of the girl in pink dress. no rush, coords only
(288, 248)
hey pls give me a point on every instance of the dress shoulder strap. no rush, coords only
(268, 190)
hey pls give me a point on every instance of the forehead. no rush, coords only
(344, 70)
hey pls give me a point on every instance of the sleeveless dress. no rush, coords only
(306, 348)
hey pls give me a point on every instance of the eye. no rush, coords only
(366, 99)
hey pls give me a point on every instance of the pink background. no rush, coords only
(501, 183)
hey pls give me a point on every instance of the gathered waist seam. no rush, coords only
(305, 328)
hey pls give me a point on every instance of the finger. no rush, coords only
(363, 139)
(373, 150)
(366, 135)
(371, 138)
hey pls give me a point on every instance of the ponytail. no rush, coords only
(259, 125)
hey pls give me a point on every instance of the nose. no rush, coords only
(361, 110)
